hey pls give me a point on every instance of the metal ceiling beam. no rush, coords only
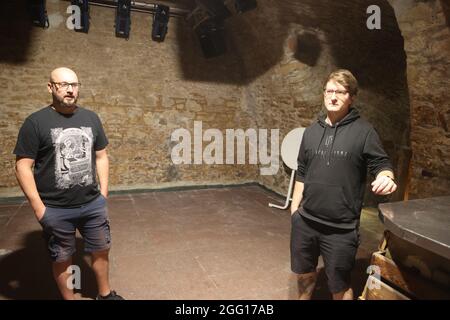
(146, 7)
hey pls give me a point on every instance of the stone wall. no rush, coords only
(425, 26)
(298, 43)
(138, 87)
(271, 78)
(403, 70)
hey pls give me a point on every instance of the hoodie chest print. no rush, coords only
(329, 152)
(333, 155)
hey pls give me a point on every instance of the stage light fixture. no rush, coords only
(38, 13)
(216, 9)
(245, 5)
(211, 36)
(160, 22)
(123, 18)
(84, 10)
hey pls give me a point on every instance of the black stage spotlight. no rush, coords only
(123, 18)
(38, 13)
(84, 19)
(160, 21)
(245, 5)
(211, 36)
(215, 8)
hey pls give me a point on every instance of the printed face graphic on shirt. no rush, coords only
(73, 157)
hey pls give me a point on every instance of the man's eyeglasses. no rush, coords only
(339, 93)
(65, 85)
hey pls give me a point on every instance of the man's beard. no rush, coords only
(72, 101)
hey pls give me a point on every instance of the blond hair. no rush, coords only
(345, 78)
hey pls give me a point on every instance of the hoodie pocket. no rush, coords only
(328, 202)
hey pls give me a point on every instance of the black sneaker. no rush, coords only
(111, 296)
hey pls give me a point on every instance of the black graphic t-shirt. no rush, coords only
(63, 147)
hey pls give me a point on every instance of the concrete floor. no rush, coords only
(222, 243)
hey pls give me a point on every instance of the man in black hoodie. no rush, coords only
(334, 156)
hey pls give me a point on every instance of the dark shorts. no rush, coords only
(310, 239)
(60, 224)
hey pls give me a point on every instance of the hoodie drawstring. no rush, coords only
(323, 134)
(352, 115)
(332, 143)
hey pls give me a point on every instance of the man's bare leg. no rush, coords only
(100, 265)
(61, 278)
(306, 283)
(344, 295)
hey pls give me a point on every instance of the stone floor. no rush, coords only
(221, 243)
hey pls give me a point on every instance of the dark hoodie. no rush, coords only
(333, 163)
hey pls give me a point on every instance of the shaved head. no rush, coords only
(64, 86)
(63, 74)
